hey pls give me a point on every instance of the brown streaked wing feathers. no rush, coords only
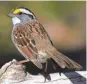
(27, 40)
(62, 60)
(26, 44)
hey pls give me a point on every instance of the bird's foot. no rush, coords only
(23, 61)
(60, 73)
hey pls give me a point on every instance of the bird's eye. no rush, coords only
(20, 13)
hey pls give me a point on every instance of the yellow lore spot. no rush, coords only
(16, 11)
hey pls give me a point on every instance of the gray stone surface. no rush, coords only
(14, 73)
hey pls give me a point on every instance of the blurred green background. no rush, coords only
(65, 23)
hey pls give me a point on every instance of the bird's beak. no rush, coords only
(11, 15)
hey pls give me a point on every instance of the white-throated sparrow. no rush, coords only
(33, 42)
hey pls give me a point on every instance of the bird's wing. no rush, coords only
(25, 43)
(24, 37)
(62, 60)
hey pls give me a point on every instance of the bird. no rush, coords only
(33, 42)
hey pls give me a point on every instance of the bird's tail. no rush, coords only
(62, 60)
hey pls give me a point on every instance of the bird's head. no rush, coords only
(21, 15)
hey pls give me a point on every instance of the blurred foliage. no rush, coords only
(68, 13)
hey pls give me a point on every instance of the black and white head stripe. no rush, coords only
(26, 11)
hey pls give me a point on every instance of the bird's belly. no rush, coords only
(42, 56)
(42, 45)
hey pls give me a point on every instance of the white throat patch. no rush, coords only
(15, 20)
